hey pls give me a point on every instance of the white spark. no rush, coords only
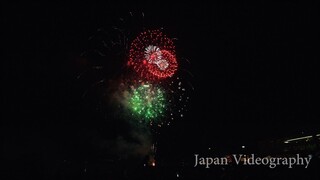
(152, 54)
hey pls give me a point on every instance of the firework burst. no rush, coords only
(152, 55)
(155, 92)
(147, 102)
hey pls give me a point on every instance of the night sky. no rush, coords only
(255, 76)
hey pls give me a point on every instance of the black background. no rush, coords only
(255, 70)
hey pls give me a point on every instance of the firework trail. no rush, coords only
(135, 76)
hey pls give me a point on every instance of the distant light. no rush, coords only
(299, 138)
(243, 147)
(153, 164)
(144, 165)
(178, 175)
(209, 148)
(286, 142)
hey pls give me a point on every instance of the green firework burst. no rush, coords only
(147, 102)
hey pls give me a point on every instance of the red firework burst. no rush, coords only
(152, 55)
